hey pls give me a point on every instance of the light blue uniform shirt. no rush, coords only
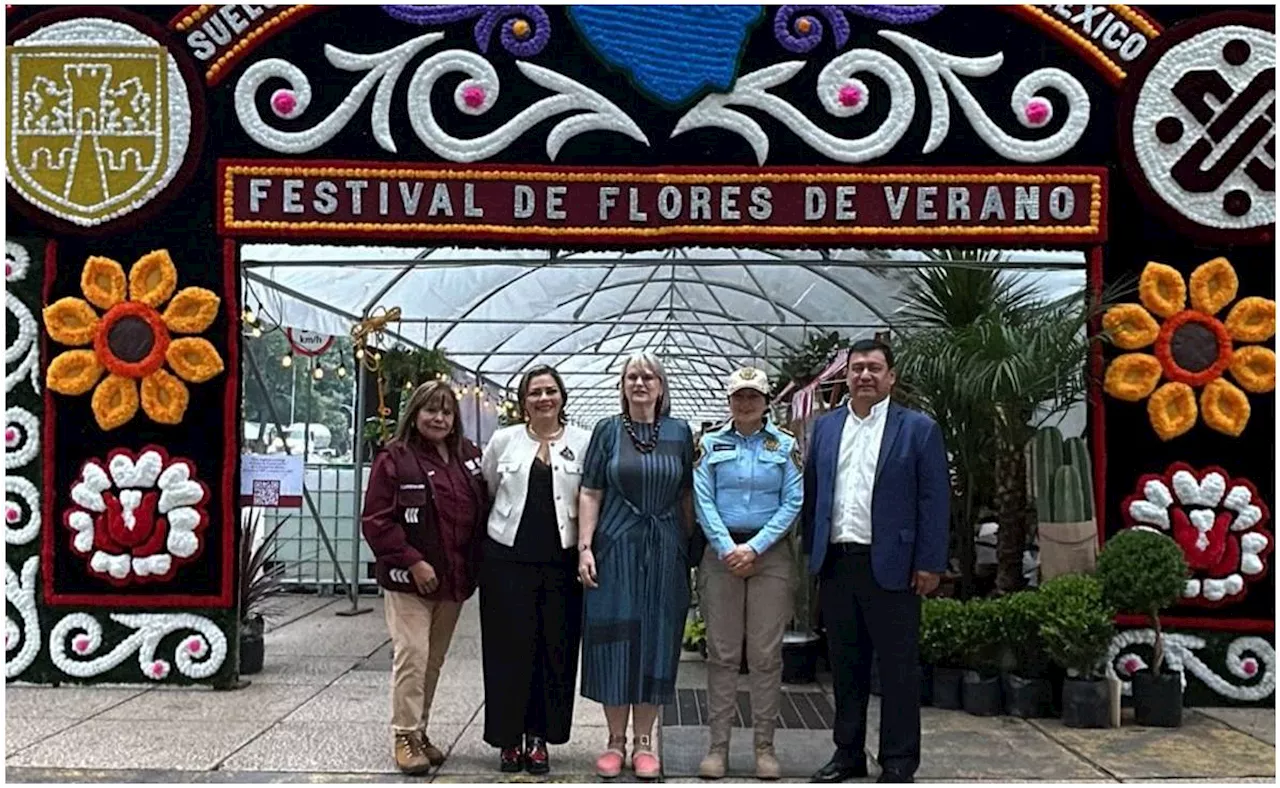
(746, 484)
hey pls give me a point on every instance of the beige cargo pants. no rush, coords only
(421, 631)
(759, 607)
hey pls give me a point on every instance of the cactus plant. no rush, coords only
(1076, 454)
(1062, 477)
(1068, 496)
(1046, 456)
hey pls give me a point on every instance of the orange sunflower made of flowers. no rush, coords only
(131, 340)
(1193, 349)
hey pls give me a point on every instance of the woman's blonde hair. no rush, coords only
(432, 394)
(651, 363)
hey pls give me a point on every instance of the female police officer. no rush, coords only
(747, 490)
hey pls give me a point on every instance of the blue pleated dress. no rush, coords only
(634, 622)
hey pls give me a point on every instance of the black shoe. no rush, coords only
(892, 776)
(839, 769)
(536, 759)
(510, 760)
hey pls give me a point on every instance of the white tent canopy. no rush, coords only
(703, 311)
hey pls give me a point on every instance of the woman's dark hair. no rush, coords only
(432, 394)
(522, 391)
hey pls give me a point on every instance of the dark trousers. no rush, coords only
(530, 629)
(863, 619)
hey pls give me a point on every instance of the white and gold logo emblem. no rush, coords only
(99, 119)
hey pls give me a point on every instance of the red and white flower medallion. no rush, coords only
(138, 518)
(1219, 522)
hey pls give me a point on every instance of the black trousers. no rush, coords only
(530, 630)
(863, 619)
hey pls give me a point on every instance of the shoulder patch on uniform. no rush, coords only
(796, 458)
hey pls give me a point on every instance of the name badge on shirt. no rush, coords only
(413, 486)
(567, 453)
(723, 447)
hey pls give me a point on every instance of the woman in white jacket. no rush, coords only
(530, 600)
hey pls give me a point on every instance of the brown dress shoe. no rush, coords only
(409, 755)
(433, 754)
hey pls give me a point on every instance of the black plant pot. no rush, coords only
(252, 646)
(926, 685)
(1027, 698)
(1157, 699)
(799, 658)
(946, 688)
(1086, 703)
(981, 694)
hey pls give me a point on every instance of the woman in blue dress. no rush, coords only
(635, 514)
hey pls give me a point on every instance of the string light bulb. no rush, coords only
(359, 354)
(256, 332)
(342, 372)
(318, 373)
(286, 360)
(248, 315)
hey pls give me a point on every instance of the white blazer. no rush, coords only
(506, 463)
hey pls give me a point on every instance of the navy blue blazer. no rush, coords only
(911, 502)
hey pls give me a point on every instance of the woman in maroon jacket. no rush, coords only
(424, 518)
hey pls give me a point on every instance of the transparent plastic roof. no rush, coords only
(703, 311)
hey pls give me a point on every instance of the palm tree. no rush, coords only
(991, 360)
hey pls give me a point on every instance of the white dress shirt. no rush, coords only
(506, 463)
(856, 475)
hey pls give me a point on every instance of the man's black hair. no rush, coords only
(870, 346)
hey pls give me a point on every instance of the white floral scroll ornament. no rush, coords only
(21, 637)
(1251, 660)
(843, 95)
(21, 353)
(1219, 522)
(197, 656)
(475, 96)
(139, 518)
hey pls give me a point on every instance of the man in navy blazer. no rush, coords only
(875, 517)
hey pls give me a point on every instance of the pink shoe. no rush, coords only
(609, 764)
(644, 761)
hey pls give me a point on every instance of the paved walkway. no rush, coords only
(318, 713)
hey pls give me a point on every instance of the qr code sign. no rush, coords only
(266, 492)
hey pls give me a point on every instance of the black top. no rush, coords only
(538, 537)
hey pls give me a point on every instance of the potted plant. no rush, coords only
(695, 634)
(1076, 627)
(1062, 477)
(981, 649)
(260, 574)
(1144, 572)
(941, 673)
(1027, 690)
(800, 643)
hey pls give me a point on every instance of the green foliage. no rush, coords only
(411, 367)
(695, 632)
(260, 570)
(984, 355)
(1023, 614)
(1077, 624)
(939, 632)
(328, 401)
(979, 635)
(1141, 571)
(809, 360)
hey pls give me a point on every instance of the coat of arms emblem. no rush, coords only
(99, 119)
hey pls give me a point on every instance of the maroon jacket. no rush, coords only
(401, 526)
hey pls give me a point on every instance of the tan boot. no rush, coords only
(713, 766)
(409, 755)
(767, 767)
(434, 756)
